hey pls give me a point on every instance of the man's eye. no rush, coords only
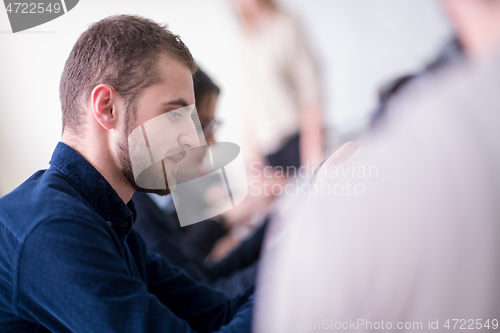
(175, 115)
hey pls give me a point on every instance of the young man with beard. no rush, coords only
(69, 260)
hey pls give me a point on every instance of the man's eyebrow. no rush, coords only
(179, 101)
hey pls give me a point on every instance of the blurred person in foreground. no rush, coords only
(157, 221)
(70, 260)
(416, 247)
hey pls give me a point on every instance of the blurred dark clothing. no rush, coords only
(162, 233)
(452, 52)
(288, 155)
(246, 254)
(200, 236)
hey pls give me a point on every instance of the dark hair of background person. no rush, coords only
(203, 85)
(121, 51)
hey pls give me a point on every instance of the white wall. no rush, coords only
(360, 43)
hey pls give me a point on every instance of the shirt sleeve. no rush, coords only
(73, 278)
(203, 307)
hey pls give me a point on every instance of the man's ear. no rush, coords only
(103, 98)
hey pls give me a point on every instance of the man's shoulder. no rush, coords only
(46, 195)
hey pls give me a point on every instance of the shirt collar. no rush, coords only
(94, 188)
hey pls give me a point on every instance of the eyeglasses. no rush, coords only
(211, 127)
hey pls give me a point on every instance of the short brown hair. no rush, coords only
(121, 51)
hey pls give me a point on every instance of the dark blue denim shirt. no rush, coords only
(70, 262)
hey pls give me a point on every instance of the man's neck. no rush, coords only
(98, 155)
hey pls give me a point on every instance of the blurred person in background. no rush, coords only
(283, 100)
(418, 249)
(281, 111)
(391, 92)
(201, 236)
(468, 42)
(186, 247)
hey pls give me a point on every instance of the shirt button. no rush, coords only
(124, 224)
(109, 223)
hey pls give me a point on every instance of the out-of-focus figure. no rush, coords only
(391, 92)
(282, 105)
(281, 111)
(414, 245)
(158, 223)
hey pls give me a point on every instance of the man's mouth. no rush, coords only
(175, 159)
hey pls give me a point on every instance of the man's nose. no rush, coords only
(188, 139)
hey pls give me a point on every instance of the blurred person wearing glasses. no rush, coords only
(187, 247)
